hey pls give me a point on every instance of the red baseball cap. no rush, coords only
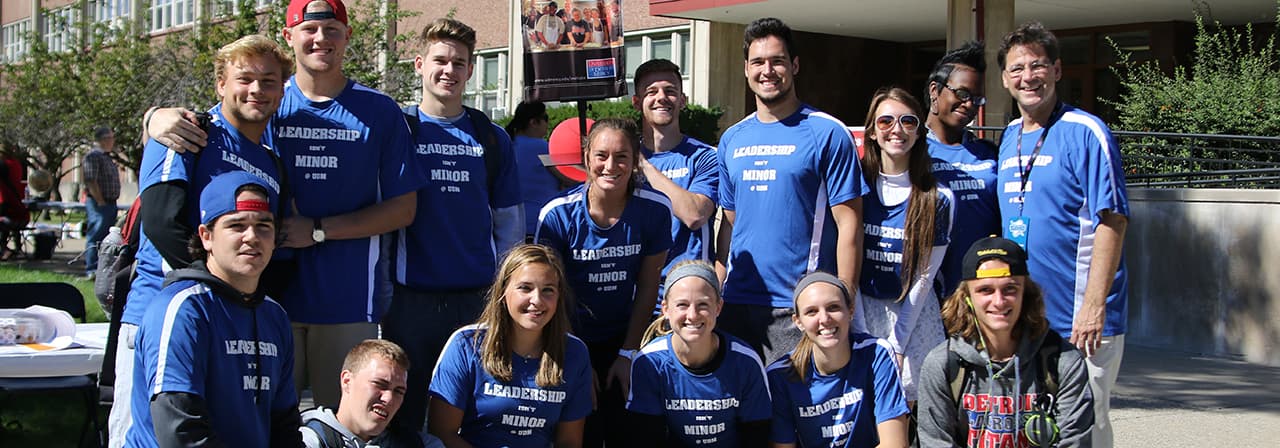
(297, 12)
(565, 149)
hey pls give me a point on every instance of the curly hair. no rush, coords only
(960, 320)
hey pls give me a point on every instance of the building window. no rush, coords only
(670, 44)
(227, 8)
(167, 14)
(487, 89)
(110, 11)
(15, 40)
(60, 29)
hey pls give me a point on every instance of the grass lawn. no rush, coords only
(47, 418)
(13, 274)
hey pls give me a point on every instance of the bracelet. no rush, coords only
(629, 354)
(146, 119)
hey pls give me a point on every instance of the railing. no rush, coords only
(1172, 160)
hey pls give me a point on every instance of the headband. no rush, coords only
(699, 270)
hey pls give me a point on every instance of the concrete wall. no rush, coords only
(1204, 271)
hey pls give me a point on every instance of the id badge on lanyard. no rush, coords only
(1018, 227)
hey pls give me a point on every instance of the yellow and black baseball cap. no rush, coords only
(993, 248)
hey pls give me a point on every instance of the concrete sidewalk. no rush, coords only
(1170, 399)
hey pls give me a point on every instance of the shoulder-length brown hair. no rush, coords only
(495, 343)
(959, 318)
(922, 204)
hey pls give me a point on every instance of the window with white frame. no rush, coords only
(61, 26)
(226, 8)
(110, 11)
(487, 89)
(167, 14)
(667, 43)
(15, 40)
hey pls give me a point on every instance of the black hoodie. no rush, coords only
(182, 419)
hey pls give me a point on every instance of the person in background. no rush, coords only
(614, 235)
(516, 377)
(907, 222)
(1002, 379)
(101, 190)
(839, 387)
(14, 214)
(962, 162)
(373, 383)
(528, 131)
(717, 379)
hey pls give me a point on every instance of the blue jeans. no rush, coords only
(98, 221)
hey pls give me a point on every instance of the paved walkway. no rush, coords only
(1162, 399)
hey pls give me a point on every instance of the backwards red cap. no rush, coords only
(297, 12)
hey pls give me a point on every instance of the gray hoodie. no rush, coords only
(987, 412)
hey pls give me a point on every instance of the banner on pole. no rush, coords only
(573, 50)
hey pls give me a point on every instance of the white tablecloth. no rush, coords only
(66, 362)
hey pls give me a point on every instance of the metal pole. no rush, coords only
(582, 124)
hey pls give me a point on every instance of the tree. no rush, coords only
(1229, 88)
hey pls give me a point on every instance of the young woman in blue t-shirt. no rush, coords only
(694, 386)
(838, 388)
(515, 378)
(906, 229)
(614, 235)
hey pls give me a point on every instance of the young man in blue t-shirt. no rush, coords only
(250, 74)
(962, 162)
(470, 212)
(675, 164)
(213, 365)
(791, 189)
(1062, 197)
(348, 152)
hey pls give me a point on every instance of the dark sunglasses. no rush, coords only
(909, 122)
(965, 95)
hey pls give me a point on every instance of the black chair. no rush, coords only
(65, 297)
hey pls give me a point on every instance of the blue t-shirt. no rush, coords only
(884, 229)
(1076, 176)
(227, 150)
(602, 263)
(537, 185)
(701, 410)
(516, 412)
(969, 171)
(193, 341)
(450, 245)
(692, 165)
(343, 155)
(781, 180)
(842, 409)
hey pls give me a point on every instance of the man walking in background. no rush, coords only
(101, 189)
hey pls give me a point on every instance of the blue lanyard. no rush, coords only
(1025, 171)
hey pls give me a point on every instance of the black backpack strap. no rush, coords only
(411, 119)
(1049, 353)
(484, 132)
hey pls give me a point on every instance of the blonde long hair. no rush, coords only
(660, 326)
(802, 356)
(495, 344)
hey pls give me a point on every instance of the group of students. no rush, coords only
(828, 280)
(572, 27)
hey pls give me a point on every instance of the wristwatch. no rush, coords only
(317, 233)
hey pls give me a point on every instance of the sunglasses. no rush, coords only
(909, 122)
(965, 95)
